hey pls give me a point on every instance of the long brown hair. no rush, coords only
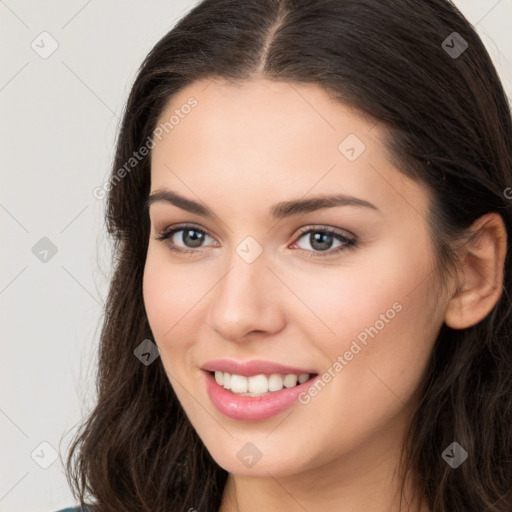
(448, 125)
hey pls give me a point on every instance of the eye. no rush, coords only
(320, 239)
(190, 235)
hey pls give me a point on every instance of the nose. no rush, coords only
(246, 301)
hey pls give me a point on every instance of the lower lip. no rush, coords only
(248, 408)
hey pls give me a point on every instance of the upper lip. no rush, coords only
(254, 367)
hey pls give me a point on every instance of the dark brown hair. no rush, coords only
(448, 126)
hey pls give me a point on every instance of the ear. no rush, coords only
(481, 274)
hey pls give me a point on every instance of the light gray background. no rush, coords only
(59, 117)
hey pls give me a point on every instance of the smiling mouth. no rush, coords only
(261, 384)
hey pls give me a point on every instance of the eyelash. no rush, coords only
(349, 243)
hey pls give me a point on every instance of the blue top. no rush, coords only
(72, 509)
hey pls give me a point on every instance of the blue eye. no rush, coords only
(320, 237)
(196, 237)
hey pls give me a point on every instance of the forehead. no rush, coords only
(271, 138)
(278, 115)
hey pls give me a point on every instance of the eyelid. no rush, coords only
(181, 225)
(324, 227)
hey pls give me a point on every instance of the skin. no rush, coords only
(242, 149)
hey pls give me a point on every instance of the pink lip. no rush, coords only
(247, 408)
(249, 368)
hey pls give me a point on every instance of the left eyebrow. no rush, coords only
(302, 206)
(277, 211)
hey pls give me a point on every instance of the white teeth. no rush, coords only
(226, 380)
(290, 381)
(239, 384)
(275, 382)
(258, 385)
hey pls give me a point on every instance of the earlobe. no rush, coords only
(482, 271)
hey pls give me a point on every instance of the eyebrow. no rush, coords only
(277, 211)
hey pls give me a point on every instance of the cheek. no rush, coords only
(165, 300)
(374, 364)
(175, 299)
(387, 291)
(165, 305)
(169, 293)
(344, 299)
(380, 317)
(159, 302)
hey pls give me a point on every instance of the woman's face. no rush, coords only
(264, 284)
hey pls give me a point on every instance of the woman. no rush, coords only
(310, 203)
